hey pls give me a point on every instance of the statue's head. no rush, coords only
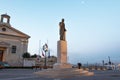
(62, 20)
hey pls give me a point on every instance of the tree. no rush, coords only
(26, 55)
(53, 56)
(34, 56)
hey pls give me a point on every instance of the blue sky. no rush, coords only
(92, 26)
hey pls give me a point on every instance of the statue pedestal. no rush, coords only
(62, 65)
(62, 69)
(62, 56)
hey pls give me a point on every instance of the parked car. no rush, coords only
(4, 64)
(1, 67)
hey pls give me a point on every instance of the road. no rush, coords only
(28, 74)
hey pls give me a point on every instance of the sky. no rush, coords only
(92, 26)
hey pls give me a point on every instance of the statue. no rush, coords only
(62, 30)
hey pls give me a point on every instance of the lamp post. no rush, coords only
(103, 62)
(45, 49)
(109, 60)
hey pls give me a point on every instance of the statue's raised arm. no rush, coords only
(62, 30)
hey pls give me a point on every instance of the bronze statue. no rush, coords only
(62, 30)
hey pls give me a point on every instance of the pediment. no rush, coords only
(8, 30)
(4, 43)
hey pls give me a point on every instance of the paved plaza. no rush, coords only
(28, 74)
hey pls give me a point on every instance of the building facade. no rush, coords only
(13, 43)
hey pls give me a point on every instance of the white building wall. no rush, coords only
(9, 37)
(14, 59)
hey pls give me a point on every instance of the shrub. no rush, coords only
(26, 55)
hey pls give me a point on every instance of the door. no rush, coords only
(1, 55)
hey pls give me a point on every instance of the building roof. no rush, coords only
(5, 15)
(11, 31)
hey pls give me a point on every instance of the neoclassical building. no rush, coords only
(13, 43)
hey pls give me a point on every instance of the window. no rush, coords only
(3, 29)
(14, 49)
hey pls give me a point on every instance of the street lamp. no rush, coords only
(103, 62)
(45, 49)
(109, 60)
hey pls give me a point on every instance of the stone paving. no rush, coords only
(27, 74)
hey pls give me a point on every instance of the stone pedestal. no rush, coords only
(62, 69)
(61, 51)
(63, 73)
(62, 56)
(62, 65)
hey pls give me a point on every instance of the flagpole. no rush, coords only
(47, 41)
(39, 47)
(38, 55)
(48, 48)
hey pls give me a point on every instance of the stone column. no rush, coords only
(1, 19)
(62, 51)
(62, 56)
